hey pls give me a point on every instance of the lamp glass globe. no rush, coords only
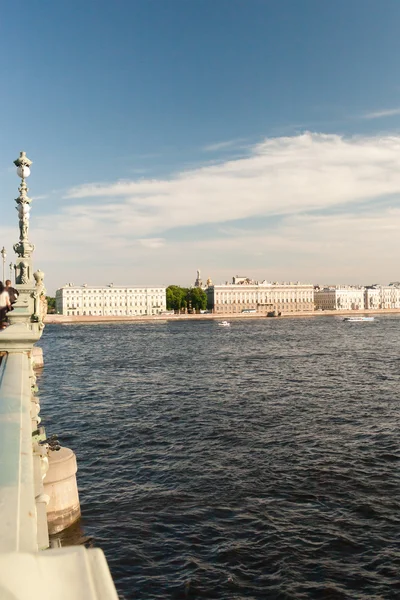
(23, 171)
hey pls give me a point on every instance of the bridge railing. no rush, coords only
(17, 486)
(25, 571)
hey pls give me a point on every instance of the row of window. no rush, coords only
(122, 313)
(90, 302)
(111, 304)
(289, 308)
(144, 299)
(145, 291)
(102, 299)
(262, 288)
(270, 301)
(261, 298)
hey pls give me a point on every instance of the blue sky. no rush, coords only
(248, 136)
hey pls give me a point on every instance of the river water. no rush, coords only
(252, 462)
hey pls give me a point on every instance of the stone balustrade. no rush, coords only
(69, 573)
(18, 516)
(28, 568)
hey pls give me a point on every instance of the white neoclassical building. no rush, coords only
(110, 300)
(244, 296)
(340, 298)
(383, 296)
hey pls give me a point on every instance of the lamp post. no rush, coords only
(24, 249)
(3, 255)
(11, 266)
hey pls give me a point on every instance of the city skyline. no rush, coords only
(231, 137)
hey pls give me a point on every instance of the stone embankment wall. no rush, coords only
(108, 319)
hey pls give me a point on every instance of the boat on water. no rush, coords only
(224, 324)
(358, 319)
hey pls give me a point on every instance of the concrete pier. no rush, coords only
(60, 485)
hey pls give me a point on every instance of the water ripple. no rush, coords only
(250, 463)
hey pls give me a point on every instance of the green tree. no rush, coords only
(179, 298)
(51, 305)
(176, 297)
(170, 298)
(198, 298)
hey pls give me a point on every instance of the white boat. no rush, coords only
(357, 319)
(224, 324)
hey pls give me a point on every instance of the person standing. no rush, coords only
(5, 305)
(12, 292)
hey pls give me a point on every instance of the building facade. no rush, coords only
(339, 298)
(246, 296)
(110, 300)
(383, 296)
(372, 297)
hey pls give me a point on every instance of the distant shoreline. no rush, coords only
(71, 319)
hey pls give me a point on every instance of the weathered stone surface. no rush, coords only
(63, 574)
(37, 357)
(60, 485)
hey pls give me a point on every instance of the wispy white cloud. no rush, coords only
(152, 242)
(355, 248)
(380, 114)
(124, 224)
(42, 197)
(281, 176)
(229, 144)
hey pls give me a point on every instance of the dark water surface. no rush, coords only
(260, 461)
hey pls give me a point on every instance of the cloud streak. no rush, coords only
(282, 176)
(380, 114)
(229, 144)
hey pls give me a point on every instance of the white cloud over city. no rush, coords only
(131, 230)
(281, 176)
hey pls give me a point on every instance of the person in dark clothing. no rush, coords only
(12, 292)
(4, 305)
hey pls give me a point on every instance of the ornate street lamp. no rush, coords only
(3, 255)
(23, 248)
